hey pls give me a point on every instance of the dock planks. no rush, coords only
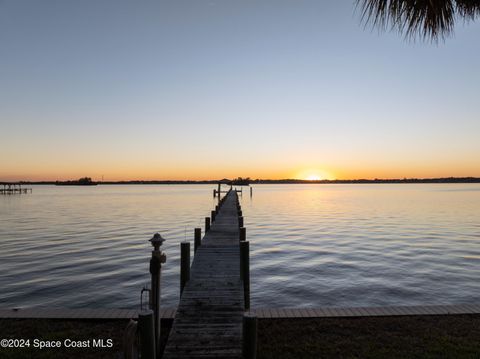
(208, 321)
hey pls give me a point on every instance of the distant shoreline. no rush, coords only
(281, 181)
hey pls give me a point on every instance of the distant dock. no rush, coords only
(13, 188)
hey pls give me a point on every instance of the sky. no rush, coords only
(207, 89)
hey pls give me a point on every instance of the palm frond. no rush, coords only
(431, 19)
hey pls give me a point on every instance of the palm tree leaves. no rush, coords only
(431, 19)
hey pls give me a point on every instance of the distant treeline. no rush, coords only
(280, 181)
(377, 180)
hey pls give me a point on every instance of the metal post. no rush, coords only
(158, 257)
(249, 347)
(184, 264)
(245, 271)
(207, 224)
(243, 234)
(197, 239)
(146, 328)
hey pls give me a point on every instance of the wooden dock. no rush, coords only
(260, 313)
(208, 321)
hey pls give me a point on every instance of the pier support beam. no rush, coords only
(146, 328)
(197, 239)
(207, 224)
(243, 234)
(245, 271)
(184, 264)
(158, 257)
(249, 346)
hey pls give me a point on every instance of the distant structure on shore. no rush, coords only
(85, 181)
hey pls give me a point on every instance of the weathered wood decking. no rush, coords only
(260, 313)
(208, 321)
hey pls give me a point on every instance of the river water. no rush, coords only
(311, 245)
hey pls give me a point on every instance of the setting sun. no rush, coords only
(314, 175)
(313, 178)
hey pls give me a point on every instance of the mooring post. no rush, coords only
(213, 213)
(214, 193)
(240, 213)
(158, 257)
(197, 239)
(184, 264)
(243, 234)
(207, 224)
(240, 221)
(249, 347)
(245, 271)
(146, 328)
(251, 191)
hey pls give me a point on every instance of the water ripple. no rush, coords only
(311, 245)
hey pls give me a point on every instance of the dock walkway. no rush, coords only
(208, 321)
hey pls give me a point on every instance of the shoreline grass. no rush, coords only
(436, 336)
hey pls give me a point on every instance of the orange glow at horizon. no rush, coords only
(123, 169)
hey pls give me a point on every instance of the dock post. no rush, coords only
(251, 191)
(213, 214)
(219, 191)
(240, 221)
(240, 213)
(214, 192)
(198, 239)
(158, 257)
(249, 347)
(245, 271)
(184, 264)
(146, 328)
(207, 224)
(243, 234)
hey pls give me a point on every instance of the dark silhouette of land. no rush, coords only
(84, 181)
(246, 181)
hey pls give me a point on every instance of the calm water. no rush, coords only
(311, 245)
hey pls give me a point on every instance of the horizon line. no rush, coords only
(257, 180)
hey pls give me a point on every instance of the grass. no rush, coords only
(446, 336)
(452, 336)
(59, 329)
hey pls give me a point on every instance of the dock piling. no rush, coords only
(243, 234)
(146, 328)
(249, 329)
(213, 214)
(158, 257)
(207, 224)
(245, 271)
(240, 221)
(197, 239)
(184, 264)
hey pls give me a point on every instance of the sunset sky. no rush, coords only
(212, 89)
